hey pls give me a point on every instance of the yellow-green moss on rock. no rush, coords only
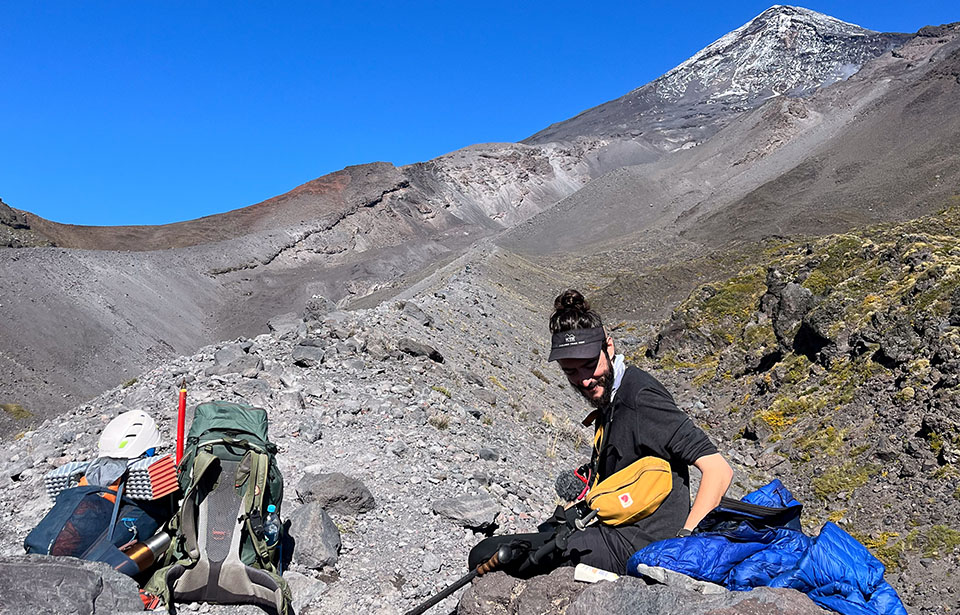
(846, 477)
(784, 411)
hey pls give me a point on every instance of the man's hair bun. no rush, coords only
(572, 311)
(571, 299)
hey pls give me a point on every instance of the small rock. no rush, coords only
(307, 354)
(317, 307)
(472, 378)
(304, 589)
(335, 492)
(665, 576)
(354, 365)
(311, 431)
(412, 311)
(416, 349)
(477, 512)
(487, 396)
(489, 454)
(290, 324)
(481, 477)
(291, 400)
(228, 354)
(250, 366)
(497, 592)
(61, 585)
(233, 359)
(431, 563)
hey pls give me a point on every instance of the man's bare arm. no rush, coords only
(716, 478)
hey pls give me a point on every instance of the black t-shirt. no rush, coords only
(644, 420)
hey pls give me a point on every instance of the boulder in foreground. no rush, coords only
(558, 594)
(32, 584)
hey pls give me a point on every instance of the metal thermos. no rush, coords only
(145, 553)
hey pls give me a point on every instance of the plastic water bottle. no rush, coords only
(271, 526)
(271, 534)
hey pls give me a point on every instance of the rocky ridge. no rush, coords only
(15, 231)
(343, 236)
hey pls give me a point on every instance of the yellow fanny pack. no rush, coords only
(630, 494)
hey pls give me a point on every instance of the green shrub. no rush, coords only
(539, 374)
(441, 390)
(440, 421)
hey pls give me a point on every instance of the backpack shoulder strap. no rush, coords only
(253, 470)
(594, 476)
(116, 508)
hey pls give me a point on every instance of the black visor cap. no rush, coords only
(577, 344)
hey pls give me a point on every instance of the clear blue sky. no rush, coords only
(153, 112)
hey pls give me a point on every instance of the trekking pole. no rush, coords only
(508, 553)
(560, 538)
(504, 555)
(181, 417)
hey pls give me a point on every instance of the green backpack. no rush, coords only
(228, 476)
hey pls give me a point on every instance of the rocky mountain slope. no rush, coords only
(15, 231)
(441, 407)
(894, 159)
(878, 146)
(347, 234)
(119, 299)
(828, 363)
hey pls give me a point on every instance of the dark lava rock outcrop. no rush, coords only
(836, 361)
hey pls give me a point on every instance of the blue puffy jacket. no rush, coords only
(742, 547)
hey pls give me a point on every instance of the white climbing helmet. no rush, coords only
(129, 435)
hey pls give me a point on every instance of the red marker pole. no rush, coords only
(181, 417)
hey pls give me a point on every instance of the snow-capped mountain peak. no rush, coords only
(783, 50)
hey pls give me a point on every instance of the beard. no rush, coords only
(605, 381)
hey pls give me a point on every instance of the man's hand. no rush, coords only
(716, 478)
